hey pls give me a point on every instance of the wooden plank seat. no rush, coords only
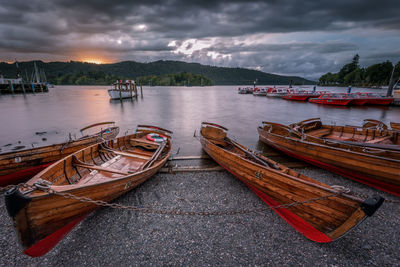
(122, 153)
(320, 132)
(144, 143)
(127, 154)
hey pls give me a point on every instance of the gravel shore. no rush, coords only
(119, 237)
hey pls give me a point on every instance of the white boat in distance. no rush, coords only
(122, 90)
(260, 91)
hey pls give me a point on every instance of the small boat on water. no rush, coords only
(325, 220)
(278, 92)
(361, 98)
(245, 90)
(368, 155)
(18, 166)
(122, 90)
(376, 99)
(303, 95)
(100, 172)
(341, 99)
(260, 91)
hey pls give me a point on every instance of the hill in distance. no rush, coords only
(75, 72)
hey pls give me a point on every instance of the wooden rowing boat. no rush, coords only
(323, 220)
(367, 155)
(100, 172)
(395, 126)
(18, 166)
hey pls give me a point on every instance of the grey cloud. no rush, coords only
(61, 28)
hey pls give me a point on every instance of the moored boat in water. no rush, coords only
(364, 154)
(122, 90)
(41, 214)
(340, 99)
(260, 91)
(245, 90)
(17, 166)
(378, 99)
(278, 91)
(303, 95)
(330, 216)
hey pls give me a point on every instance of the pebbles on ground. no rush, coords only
(120, 237)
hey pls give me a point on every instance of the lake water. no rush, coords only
(66, 109)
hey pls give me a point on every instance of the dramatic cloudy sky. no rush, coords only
(292, 37)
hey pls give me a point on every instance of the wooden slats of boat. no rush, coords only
(320, 132)
(125, 154)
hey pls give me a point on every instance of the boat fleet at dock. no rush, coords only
(320, 97)
(66, 182)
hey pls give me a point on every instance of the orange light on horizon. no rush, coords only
(93, 61)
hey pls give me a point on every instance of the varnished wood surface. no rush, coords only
(377, 164)
(11, 162)
(333, 216)
(87, 173)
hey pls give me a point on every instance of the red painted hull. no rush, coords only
(339, 102)
(46, 244)
(292, 219)
(296, 97)
(359, 101)
(21, 176)
(379, 101)
(392, 189)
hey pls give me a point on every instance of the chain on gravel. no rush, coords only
(178, 212)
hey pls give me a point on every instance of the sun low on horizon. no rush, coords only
(94, 61)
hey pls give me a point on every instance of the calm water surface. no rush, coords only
(66, 109)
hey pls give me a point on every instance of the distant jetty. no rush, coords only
(37, 83)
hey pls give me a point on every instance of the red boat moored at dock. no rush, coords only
(340, 99)
(303, 95)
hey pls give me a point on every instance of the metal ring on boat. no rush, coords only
(154, 137)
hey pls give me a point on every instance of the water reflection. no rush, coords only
(66, 109)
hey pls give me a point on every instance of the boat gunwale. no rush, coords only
(327, 146)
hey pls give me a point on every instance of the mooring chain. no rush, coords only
(46, 188)
(178, 212)
(366, 196)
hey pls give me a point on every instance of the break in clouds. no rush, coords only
(304, 38)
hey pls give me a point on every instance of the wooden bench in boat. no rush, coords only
(105, 149)
(98, 168)
(125, 154)
(144, 143)
(319, 132)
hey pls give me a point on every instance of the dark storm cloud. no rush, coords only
(143, 29)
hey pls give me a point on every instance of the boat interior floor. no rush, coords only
(352, 137)
(120, 163)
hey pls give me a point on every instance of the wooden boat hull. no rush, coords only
(18, 166)
(395, 126)
(286, 186)
(381, 173)
(42, 219)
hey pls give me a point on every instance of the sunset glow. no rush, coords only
(93, 61)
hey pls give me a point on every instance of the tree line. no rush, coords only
(352, 74)
(178, 79)
(79, 73)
